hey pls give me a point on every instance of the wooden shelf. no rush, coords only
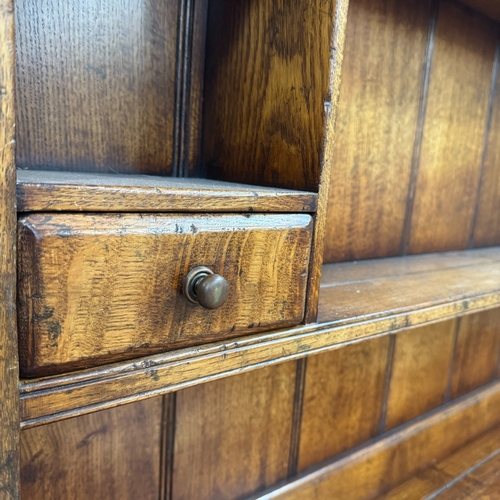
(357, 300)
(369, 289)
(449, 453)
(41, 191)
(470, 472)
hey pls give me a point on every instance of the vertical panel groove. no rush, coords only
(487, 128)
(167, 446)
(496, 373)
(447, 394)
(412, 185)
(180, 161)
(387, 384)
(297, 416)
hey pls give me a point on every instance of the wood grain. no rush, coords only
(109, 455)
(39, 191)
(96, 85)
(420, 371)
(476, 352)
(96, 288)
(63, 396)
(316, 261)
(365, 270)
(445, 475)
(266, 83)
(482, 482)
(399, 290)
(233, 435)
(449, 169)
(9, 370)
(379, 101)
(342, 400)
(486, 231)
(397, 456)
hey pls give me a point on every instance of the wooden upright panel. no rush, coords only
(108, 455)
(266, 83)
(9, 372)
(96, 84)
(379, 100)
(453, 134)
(486, 231)
(233, 435)
(420, 371)
(342, 400)
(476, 352)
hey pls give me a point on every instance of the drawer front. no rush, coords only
(99, 288)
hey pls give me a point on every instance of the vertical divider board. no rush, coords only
(271, 88)
(9, 369)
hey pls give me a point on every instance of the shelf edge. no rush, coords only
(55, 398)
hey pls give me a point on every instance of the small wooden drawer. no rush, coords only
(99, 288)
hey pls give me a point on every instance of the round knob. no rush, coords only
(202, 286)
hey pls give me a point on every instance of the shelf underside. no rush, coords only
(357, 300)
(40, 191)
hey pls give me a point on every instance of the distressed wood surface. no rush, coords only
(53, 398)
(420, 371)
(98, 288)
(372, 158)
(233, 435)
(343, 396)
(9, 372)
(39, 191)
(457, 105)
(106, 86)
(394, 458)
(108, 455)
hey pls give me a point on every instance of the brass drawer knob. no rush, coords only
(202, 286)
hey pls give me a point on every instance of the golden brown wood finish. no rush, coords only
(39, 191)
(9, 371)
(420, 371)
(397, 456)
(452, 141)
(378, 109)
(441, 476)
(109, 455)
(336, 59)
(457, 294)
(95, 288)
(486, 231)
(481, 483)
(365, 270)
(266, 82)
(233, 435)
(101, 85)
(395, 284)
(476, 351)
(342, 400)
